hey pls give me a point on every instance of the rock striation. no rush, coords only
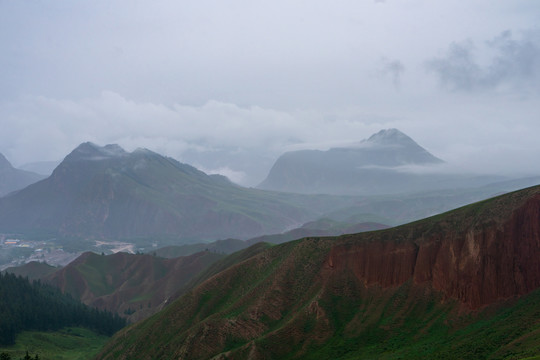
(362, 295)
(480, 264)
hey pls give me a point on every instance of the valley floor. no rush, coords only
(66, 344)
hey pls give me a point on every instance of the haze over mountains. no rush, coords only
(106, 192)
(315, 296)
(389, 162)
(41, 167)
(310, 243)
(12, 179)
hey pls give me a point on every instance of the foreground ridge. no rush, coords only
(441, 287)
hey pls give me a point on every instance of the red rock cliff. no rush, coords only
(477, 262)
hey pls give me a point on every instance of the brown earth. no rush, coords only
(297, 296)
(134, 286)
(479, 265)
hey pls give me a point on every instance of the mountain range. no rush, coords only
(388, 162)
(136, 286)
(12, 179)
(105, 192)
(464, 284)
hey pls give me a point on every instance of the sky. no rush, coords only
(228, 86)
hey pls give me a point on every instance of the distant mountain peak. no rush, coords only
(4, 163)
(373, 166)
(106, 192)
(91, 151)
(389, 136)
(12, 179)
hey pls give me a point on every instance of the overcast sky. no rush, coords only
(229, 85)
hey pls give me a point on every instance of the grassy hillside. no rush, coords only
(133, 285)
(33, 270)
(66, 344)
(459, 285)
(321, 227)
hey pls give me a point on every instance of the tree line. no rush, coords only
(35, 306)
(6, 356)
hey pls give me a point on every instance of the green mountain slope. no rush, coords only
(64, 344)
(134, 286)
(321, 227)
(39, 307)
(459, 285)
(33, 270)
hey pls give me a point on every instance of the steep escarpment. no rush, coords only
(459, 284)
(493, 262)
(467, 256)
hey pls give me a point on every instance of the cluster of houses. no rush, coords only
(7, 242)
(13, 242)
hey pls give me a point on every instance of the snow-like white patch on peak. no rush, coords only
(92, 152)
(386, 136)
(113, 150)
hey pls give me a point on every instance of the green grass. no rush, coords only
(66, 344)
(428, 332)
(306, 308)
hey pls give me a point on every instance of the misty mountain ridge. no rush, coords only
(388, 162)
(4, 163)
(91, 152)
(393, 138)
(13, 179)
(105, 192)
(389, 148)
(44, 168)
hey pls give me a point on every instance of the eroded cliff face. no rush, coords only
(478, 265)
(299, 296)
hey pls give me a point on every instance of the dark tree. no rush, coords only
(40, 307)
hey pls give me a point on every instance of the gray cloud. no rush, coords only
(229, 86)
(242, 142)
(511, 63)
(393, 69)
